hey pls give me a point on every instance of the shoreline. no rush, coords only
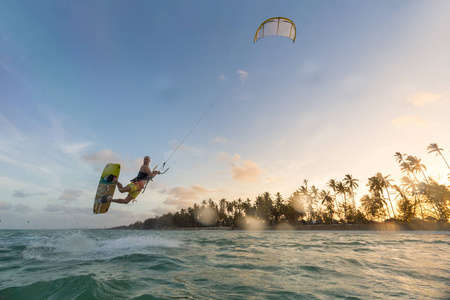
(334, 227)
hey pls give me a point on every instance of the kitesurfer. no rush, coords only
(136, 185)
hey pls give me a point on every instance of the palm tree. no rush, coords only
(409, 184)
(327, 200)
(434, 148)
(222, 210)
(278, 207)
(249, 210)
(314, 194)
(406, 208)
(438, 195)
(342, 190)
(376, 187)
(373, 206)
(408, 181)
(332, 184)
(351, 184)
(399, 157)
(417, 166)
(385, 183)
(305, 192)
(405, 166)
(295, 208)
(238, 205)
(230, 207)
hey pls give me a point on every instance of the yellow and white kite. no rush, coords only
(276, 26)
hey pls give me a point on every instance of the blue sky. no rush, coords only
(85, 83)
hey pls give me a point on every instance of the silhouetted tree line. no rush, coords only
(418, 196)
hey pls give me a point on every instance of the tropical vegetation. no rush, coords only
(417, 196)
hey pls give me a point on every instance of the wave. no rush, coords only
(79, 246)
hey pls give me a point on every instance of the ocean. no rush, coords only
(203, 264)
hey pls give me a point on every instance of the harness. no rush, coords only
(144, 176)
(141, 176)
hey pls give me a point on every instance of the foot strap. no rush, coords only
(104, 199)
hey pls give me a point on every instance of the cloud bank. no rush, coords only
(415, 120)
(422, 99)
(245, 171)
(184, 197)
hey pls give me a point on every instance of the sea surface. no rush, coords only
(110, 264)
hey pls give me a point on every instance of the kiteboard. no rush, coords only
(106, 187)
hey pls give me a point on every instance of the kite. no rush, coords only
(278, 26)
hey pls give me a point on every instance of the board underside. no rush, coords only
(105, 187)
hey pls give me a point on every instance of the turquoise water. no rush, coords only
(103, 264)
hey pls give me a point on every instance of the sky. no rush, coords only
(85, 83)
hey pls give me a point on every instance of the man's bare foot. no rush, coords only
(104, 199)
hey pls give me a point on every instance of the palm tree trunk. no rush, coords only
(354, 207)
(444, 160)
(389, 197)
(415, 195)
(424, 176)
(337, 204)
(420, 205)
(384, 201)
(345, 207)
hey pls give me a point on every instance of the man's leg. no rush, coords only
(123, 201)
(121, 188)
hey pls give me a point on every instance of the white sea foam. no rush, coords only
(79, 246)
(77, 243)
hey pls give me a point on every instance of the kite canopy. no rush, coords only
(276, 26)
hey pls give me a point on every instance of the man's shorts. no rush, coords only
(136, 188)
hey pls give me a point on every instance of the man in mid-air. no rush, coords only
(136, 185)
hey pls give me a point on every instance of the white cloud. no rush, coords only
(225, 158)
(184, 197)
(4, 205)
(273, 179)
(22, 208)
(247, 171)
(161, 210)
(103, 156)
(219, 140)
(56, 208)
(75, 149)
(39, 152)
(21, 194)
(422, 99)
(24, 194)
(243, 75)
(70, 195)
(411, 120)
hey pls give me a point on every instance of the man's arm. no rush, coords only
(150, 173)
(153, 174)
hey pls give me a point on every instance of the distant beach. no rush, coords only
(419, 226)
